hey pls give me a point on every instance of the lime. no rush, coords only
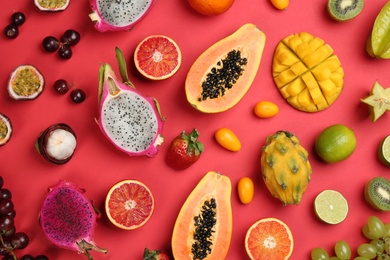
(384, 151)
(336, 143)
(331, 207)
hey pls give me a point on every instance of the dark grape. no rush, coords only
(8, 257)
(27, 257)
(41, 257)
(1, 182)
(6, 206)
(20, 240)
(12, 213)
(65, 52)
(70, 37)
(6, 223)
(6, 194)
(61, 86)
(11, 31)
(9, 233)
(18, 18)
(50, 43)
(77, 95)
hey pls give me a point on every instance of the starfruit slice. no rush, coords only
(307, 73)
(378, 101)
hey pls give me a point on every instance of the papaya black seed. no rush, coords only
(223, 76)
(204, 229)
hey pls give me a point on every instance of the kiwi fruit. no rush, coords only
(377, 193)
(344, 10)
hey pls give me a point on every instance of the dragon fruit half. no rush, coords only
(132, 122)
(118, 15)
(68, 218)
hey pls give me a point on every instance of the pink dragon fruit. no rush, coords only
(132, 122)
(118, 15)
(68, 218)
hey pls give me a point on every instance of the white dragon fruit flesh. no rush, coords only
(131, 121)
(68, 218)
(118, 15)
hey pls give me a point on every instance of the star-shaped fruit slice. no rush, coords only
(378, 101)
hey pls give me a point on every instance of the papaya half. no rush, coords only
(221, 75)
(203, 228)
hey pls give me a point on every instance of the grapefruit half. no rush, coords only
(269, 239)
(129, 204)
(157, 57)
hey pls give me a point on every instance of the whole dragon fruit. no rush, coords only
(118, 15)
(132, 122)
(68, 218)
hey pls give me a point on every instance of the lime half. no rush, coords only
(384, 151)
(331, 207)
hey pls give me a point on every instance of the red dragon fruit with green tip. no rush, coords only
(131, 121)
(68, 218)
(119, 15)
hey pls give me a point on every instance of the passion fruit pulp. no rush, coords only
(26, 83)
(5, 129)
(52, 5)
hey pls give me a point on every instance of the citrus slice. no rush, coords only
(129, 204)
(331, 207)
(157, 57)
(384, 151)
(269, 239)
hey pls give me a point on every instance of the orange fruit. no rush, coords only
(269, 239)
(129, 204)
(157, 57)
(211, 7)
(280, 4)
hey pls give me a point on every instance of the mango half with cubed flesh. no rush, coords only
(307, 72)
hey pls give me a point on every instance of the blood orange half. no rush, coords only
(129, 204)
(269, 239)
(157, 57)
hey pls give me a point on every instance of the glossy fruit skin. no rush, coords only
(155, 255)
(61, 86)
(18, 18)
(65, 52)
(50, 43)
(184, 151)
(266, 109)
(70, 37)
(245, 188)
(228, 139)
(211, 7)
(280, 4)
(77, 95)
(11, 31)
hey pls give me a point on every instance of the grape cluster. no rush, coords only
(61, 87)
(378, 246)
(10, 239)
(12, 30)
(69, 38)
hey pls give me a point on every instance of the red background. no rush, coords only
(97, 165)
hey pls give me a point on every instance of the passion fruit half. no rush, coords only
(5, 129)
(26, 83)
(57, 143)
(52, 5)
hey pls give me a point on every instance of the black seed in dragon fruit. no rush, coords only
(118, 15)
(131, 121)
(68, 218)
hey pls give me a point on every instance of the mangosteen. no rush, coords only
(57, 143)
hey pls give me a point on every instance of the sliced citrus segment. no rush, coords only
(331, 206)
(157, 57)
(269, 238)
(129, 204)
(384, 151)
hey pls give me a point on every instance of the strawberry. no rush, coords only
(155, 255)
(184, 150)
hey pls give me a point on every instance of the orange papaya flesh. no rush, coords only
(203, 228)
(221, 75)
(307, 72)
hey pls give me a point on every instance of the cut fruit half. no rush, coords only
(52, 5)
(377, 193)
(26, 83)
(384, 151)
(5, 129)
(269, 238)
(129, 204)
(331, 206)
(157, 57)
